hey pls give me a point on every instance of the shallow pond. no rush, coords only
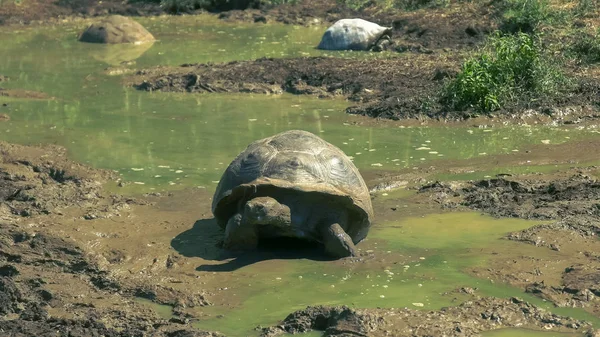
(159, 141)
(419, 262)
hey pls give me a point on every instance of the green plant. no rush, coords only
(355, 4)
(524, 15)
(509, 67)
(587, 47)
(585, 7)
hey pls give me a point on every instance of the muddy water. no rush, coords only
(159, 141)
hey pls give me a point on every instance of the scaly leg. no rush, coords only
(337, 242)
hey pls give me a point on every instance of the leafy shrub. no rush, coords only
(524, 15)
(586, 7)
(587, 47)
(508, 68)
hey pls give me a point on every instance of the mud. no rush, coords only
(568, 202)
(527, 197)
(395, 88)
(467, 319)
(49, 285)
(38, 181)
(25, 94)
(38, 11)
(456, 26)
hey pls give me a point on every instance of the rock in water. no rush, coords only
(355, 34)
(116, 29)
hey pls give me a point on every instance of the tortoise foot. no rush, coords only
(239, 235)
(337, 243)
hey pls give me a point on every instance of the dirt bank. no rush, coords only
(52, 284)
(26, 12)
(568, 202)
(456, 26)
(467, 319)
(396, 88)
(38, 181)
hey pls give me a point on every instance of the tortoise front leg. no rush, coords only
(337, 243)
(240, 235)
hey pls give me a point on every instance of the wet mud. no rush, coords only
(457, 26)
(568, 203)
(396, 88)
(50, 284)
(467, 319)
(23, 94)
(37, 11)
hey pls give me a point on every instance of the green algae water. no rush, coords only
(425, 259)
(163, 141)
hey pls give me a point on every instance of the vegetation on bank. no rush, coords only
(508, 68)
(516, 63)
(523, 61)
(586, 48)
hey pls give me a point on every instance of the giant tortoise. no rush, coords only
(355, 34)
(293, 184)
(116, 29)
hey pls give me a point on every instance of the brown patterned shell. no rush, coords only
(299, 162)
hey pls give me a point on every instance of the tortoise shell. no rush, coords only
(352, 34)
(296, 162)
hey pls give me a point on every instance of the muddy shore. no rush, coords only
(45, 11)
(397, 88)
(49, 283)
(568, 203)
(467, 319)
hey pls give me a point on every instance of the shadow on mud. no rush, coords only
(205, 238)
